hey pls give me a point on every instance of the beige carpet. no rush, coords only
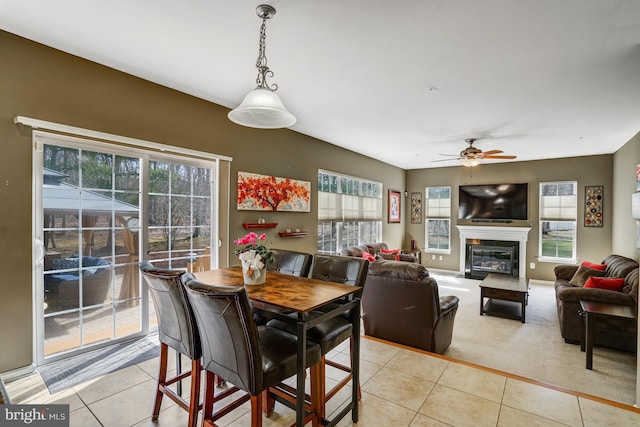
(534, 349)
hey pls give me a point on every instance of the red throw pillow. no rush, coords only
(609, 283)
(392, 251)
(600, 267)
(367, 255)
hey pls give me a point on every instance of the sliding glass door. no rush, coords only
(99, 210)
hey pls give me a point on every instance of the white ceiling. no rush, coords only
(399, 81)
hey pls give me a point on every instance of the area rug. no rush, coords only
(66, 373)
(534, 349)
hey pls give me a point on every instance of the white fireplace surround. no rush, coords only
(482, 232)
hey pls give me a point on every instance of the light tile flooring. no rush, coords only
(400, 387)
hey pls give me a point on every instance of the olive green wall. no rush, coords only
(43, 83)
(593, 243)
(624, 234)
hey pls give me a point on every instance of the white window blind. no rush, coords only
(558, 201)
(342, 198)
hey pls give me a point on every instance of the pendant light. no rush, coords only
(262, 108)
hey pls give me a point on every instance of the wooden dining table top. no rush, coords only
(301, 294)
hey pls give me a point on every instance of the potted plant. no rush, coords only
(254, 257)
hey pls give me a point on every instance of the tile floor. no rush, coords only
(400, 387)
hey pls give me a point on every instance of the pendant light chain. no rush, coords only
(261, 63)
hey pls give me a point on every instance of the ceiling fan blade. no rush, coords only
(445, 160)
(449, 155)
(500, 157)
(491, 152)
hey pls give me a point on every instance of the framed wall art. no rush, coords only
(593, 204)
(270, 193)
(416, 208)
(394, 206)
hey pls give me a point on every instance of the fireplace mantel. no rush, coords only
(513, 234)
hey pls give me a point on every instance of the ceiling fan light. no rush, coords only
(262, 109)
(468, 162)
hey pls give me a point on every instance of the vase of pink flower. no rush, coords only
(254, 257)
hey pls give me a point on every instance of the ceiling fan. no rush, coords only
(471, 155)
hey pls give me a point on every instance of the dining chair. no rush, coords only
(251, 357)
(177, 329)
(330, 333)
(290, 262)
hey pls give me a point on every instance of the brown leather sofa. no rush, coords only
(610, 332)
(376, 249)
(401, 303)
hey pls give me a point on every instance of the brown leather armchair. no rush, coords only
(401, 304)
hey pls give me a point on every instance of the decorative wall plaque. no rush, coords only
(416, 208)
(593, 204)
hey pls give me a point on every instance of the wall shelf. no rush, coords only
(292, 234)
(249, 226)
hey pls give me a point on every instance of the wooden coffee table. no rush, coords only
(498, 288)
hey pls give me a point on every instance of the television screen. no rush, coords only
(491, 202)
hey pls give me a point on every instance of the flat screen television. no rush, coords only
(493, 202)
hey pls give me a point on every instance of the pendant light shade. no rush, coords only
(262, 108)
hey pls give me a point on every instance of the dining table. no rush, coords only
(313, 301)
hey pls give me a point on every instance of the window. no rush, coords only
(558, 213)
(438, 219)
(349, 211)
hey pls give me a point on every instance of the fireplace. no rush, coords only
(513, 237)
(490, 256)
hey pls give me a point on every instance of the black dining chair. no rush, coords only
(177, 329)
(330, 333)
(252, 358)
(290, 262)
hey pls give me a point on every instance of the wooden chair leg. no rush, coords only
(317, 380)
(268, 403)
(194, 402)
(162, 377)
(256, 410)
(209, 397)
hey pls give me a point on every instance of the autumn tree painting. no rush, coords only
(271, 193)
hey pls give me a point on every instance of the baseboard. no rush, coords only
(19, 372)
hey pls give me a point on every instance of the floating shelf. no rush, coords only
(292, 234)
(249, 226)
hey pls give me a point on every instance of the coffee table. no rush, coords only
(498, 288)
(591, 310)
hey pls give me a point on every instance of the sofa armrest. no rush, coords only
(565, 271)
(575, 294)
(448, 303)
(407, 258)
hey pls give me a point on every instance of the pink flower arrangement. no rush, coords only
(250, 243)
